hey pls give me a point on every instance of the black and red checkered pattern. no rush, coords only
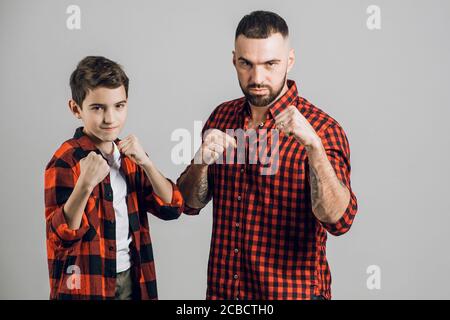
(266, 242)
(91, 249)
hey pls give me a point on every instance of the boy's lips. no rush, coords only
(109, 128)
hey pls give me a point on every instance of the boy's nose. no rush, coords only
(108, 117)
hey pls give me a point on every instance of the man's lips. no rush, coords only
(258, 90)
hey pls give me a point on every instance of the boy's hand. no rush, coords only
(93, 169)
(131, 147)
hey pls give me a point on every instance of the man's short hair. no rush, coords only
(261, 25)
(93, 72)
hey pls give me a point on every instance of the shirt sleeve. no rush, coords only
(156, 206)
(338, 152)
(60, 180)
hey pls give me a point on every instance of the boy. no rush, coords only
(98, 190)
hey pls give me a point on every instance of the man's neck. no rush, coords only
(259, 113)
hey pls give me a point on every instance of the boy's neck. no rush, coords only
(106, 147)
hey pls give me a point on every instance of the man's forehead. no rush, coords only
(267, 48)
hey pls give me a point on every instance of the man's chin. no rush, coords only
(260, 101)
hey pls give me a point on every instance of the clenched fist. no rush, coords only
(93, 169)
(131, 147)
(214, 145)
(292, 122)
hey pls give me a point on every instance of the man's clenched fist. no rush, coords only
(214, 145)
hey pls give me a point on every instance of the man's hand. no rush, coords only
(131, 147)
(93, 169)
(292, 122)
(214, 145)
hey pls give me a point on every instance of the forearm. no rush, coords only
(329, 196)
(74, 207)
(193, 186)
(161, 186)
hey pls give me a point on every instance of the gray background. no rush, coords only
(387, 88)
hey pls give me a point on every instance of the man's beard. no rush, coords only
(262, 100)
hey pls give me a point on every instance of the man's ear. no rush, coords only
(234, 58)
(291, 60)
(74, 108)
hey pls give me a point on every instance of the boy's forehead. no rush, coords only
(106, 95)
(261, 50)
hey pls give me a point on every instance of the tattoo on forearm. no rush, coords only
(203, 191)
(315, 194)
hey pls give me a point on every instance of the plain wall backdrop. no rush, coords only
(388, 88)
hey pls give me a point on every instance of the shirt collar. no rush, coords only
(113, 158)
(87, 145)
(282, 103)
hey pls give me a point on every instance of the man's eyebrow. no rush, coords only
(268, 61)
(120, 102)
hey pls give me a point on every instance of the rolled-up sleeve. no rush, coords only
(156, 205)
(337, 149)
(59, 183)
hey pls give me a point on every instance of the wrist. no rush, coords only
(314, 145)
(146, 163)
(85, 186)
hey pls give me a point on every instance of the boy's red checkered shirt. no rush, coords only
(91, 249)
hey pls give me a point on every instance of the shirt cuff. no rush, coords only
(177, 198)
(345, 222)
(62, 230)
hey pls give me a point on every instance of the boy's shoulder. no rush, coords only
(67, 155)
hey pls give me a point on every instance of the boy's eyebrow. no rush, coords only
(102, 104)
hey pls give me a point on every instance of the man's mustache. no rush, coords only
(257, 86)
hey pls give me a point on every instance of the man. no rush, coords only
(269, 224)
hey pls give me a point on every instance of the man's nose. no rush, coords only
(258, 75)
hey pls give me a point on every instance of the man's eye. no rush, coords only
(271, 64)
(96, 108)
(120, 105)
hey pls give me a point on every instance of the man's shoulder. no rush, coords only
(318, 118)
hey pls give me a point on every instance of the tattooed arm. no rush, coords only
(329, 195)
(193, 185)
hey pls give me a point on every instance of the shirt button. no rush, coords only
(111, 248)
(242, 170)
(239, 198)
(237, 224)
(236, 250)
(237, 298)
(236, 277)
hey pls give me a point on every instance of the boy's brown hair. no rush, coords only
(93, 72)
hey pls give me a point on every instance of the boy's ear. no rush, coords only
(74, 108)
